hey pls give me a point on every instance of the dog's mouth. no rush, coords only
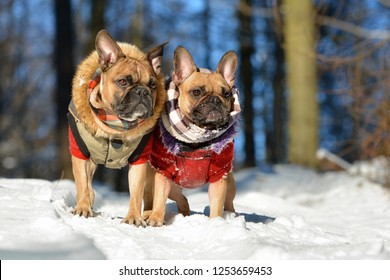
(211, 114)
(140, 112)
(137, 105)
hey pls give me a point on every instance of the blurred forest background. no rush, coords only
(312, 74)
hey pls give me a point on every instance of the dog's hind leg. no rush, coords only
(148, 192)
(162, 187)
(83, 171)
(176, 194)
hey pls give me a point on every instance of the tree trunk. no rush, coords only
(245, 34)
(301, 82)
(206, 32)
(275, 135)
(137, 25)
(97, 22)
(63, 60)
(277, 153)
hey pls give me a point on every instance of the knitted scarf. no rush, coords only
(184, 129)
(107, 117)
(216, 145)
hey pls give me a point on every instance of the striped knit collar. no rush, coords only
(186, 131)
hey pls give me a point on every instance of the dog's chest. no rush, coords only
(190, 168)
(110, 152)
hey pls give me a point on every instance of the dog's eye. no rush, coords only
(226, 93)
(152, 84)
(196, 92)
(122, 82)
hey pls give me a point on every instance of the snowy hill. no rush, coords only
(289, 213)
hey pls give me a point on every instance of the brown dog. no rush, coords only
(117, 97)
(194, 143)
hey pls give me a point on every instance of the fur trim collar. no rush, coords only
(83, 111)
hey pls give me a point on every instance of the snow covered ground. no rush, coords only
(286, 213)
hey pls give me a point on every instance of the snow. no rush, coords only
(286, 212)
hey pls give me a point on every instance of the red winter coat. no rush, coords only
(191, 169)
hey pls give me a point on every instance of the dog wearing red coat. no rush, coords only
(193, 143)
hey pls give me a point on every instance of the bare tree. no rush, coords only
(63, 61)
(275, 134)
(245, 38)
(301, 82)
(97, 22)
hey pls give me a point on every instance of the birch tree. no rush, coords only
(301, 82)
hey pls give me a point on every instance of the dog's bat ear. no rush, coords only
(155, 56)
(227, 67)
(183, 64)
(108, 50)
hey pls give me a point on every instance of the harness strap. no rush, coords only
(79, 141)
(141, 146)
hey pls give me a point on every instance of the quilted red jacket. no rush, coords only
(191, 168)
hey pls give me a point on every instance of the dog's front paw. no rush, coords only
(146, 214)
(155, 220)
(134, 220)
(83, 211)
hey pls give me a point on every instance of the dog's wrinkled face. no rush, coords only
(205, 98)
(128, 85)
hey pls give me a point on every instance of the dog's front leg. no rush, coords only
(137, 182)
(162, 187)
(217, 197)
(83, 171)
(231, 193)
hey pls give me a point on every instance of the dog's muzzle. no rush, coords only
(137, 104)
(211, 113)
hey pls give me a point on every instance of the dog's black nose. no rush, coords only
(213, 99)
(141, 91)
